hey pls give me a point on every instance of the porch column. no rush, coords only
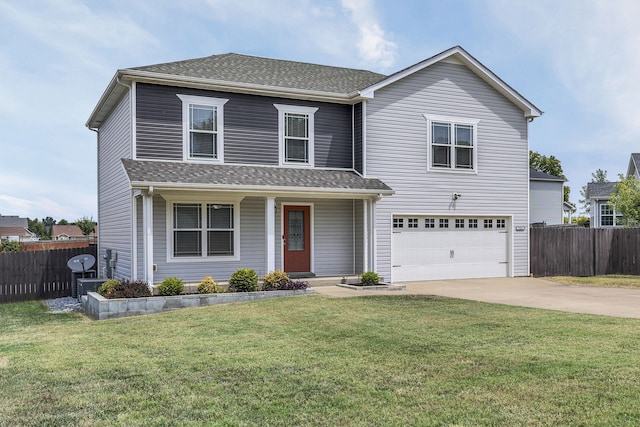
(147, 224)
(365, 234)
(373, 241)
(270, 226)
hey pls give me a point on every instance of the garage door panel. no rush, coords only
(434, 253)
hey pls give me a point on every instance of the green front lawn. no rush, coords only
(606, 281)
(313, 360)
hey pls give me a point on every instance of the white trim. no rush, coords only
(374, 237)
(203, 201)
(432, 118)
(311, 233)
(364, 138)
(294, 109)
(530, 110)
(133, 93)
(270, 227)
(365, 235)
(218, 103)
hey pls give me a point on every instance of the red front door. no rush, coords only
(297, 239)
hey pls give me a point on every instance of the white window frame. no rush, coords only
(616, 218)
(218, 103)
(283, 110)
(452, 122)
(203, 202)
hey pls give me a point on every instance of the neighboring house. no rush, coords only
(546, 198)
(568, 209)
(212, 164)
(16, 229)
(634, 165)
(70, 232)
(602, 214)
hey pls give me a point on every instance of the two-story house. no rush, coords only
(212, 164)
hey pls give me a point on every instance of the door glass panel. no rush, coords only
(296, 231)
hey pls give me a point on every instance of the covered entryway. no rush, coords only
(447, 247)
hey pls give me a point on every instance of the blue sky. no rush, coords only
(577, 60)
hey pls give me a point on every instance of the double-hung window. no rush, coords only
(452, 143)
(609, 217)
(203, 130)
(296, 134)
(203, 230)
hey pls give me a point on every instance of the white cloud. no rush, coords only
(373, 44)
(591, 46)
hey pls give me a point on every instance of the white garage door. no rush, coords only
(433, 248)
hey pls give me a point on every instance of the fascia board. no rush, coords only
(283, 190)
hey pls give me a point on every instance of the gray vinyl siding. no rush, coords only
(545, 202)
(357, 138)
(358, 225)
(250, 127)
(252, 246)
(333, 247)
(397, 154)
(114, 195)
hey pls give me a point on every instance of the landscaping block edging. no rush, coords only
(378, 287)
(101, 308)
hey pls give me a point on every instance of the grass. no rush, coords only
(313, 360)
(605, 281)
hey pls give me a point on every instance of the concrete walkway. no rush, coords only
(519, 291)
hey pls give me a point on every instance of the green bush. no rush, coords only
(369, 278)
(275, 280)
(128, 289)
(207, 286)
(171, 286)
(107, 287)
(10, 246)
(243, 280)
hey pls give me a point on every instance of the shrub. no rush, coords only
(275, 280)
(107, 287)
(295, 285)
(10, 246)
(207, 286)
(171, 286)
(369, 278)
(128, 289)
(243, 280)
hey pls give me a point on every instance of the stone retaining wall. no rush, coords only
(100, 308)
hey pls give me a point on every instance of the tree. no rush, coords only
(550, 165)
(626, 200)
(36, 226)
(63, 222)
(598, 176)
(10, 246)
(86, 225)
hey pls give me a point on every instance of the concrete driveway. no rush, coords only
(519, 291)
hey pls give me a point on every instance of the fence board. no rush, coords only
(37, 274)
(576, 251)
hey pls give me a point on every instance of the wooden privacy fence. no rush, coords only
(38, 274)
(577, 251)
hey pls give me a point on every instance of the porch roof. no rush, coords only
(225, 177)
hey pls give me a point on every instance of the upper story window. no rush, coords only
(203, 130)
(452, 143)
(296, 134)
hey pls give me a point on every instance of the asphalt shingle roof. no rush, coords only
(224, 175)
(600, 189)
(236, 68)
(534, 174)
